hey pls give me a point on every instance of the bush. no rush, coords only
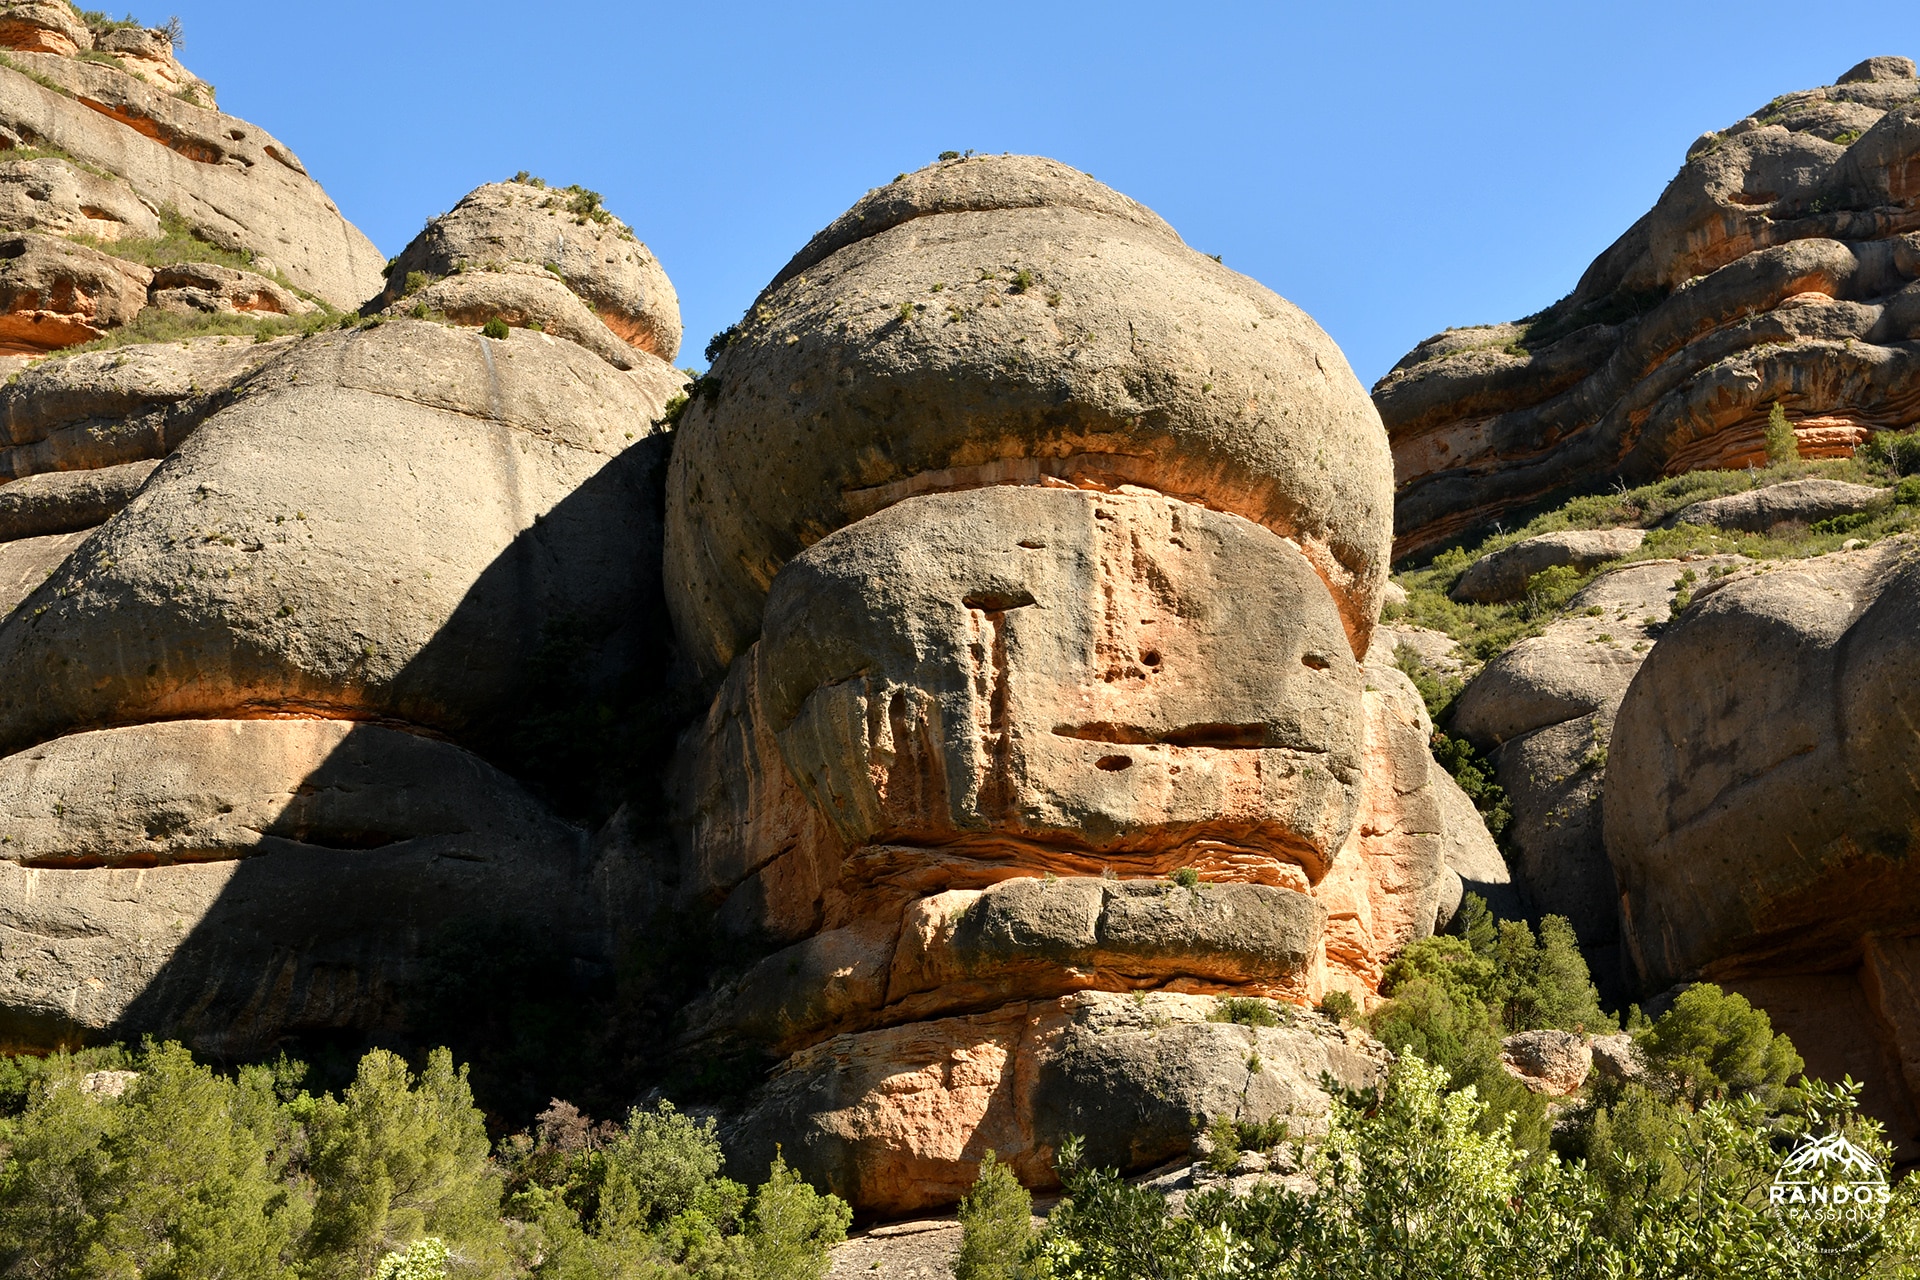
(1782, 447)
(1898, 451)
(495, 328)
(1475, 775)
(996, 1226)
(1339, 1006)
(1713, 1045)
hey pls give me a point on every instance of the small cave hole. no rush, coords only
(1150, 657)
(1318, 661)
(1113, 764)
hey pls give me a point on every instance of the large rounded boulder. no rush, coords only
(1000, 320)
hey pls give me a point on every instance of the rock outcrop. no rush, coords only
(1007, 320)
(1781, 265)
(524, 234)
(1762, 828)
(270, 612)
(1043, 721)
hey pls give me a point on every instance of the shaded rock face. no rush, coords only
(1761, 828)
(998, 668)
(323, 571)
(1005, 320)
(1782, 264)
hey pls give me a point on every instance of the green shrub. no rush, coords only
(996, 1226)
(1782, 447)
(1898, 451)
(1713, 1044)
(1185, 877)
(1476, 778)
(1339, 1006)
(1437, 691)
(1247, 1011)
(494, 328)
(1225, 1138)
(422, 1260)
(1907, 492)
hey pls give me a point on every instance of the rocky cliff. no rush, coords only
(1694, 691)
(1779, 266)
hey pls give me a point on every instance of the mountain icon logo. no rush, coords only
(1830, 1191)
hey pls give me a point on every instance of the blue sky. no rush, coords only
(1392, 168)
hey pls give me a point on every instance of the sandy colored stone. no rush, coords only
(921, 1249)
(1034, 344)
(1555, 1063)
(1023, 938)
(598, 259)
(898, 1120)
(234, 882)
(1614, 1058)
(233, 183)
(147, 53)
(382, 524)
(523, 297)
(103, 408)
(59, 198)
(26, 564)
(1504, 574)
(67, 501)
(1773, 269)
(1764, 820)
(1066, 667)
(54, 293)
(1471, 853)
(44, 26)
(204, 286)
(1793, 502)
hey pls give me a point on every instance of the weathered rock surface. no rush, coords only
(1793, 502)
(55, 294)
(1555, 1063)
(898, 1120)
(101, 408)
(381, 524)
(26, 563)
(1761, 828)
(917, 1249)
(1471, 853)
(232, 882)
(989, 333)
(1504, 574)
(44, 26)
(562, 230)
(1615, 1058)
(59, 198)
(204, 286)
(64, 501)
(229, 181)
(523, 297)
(1779, 265)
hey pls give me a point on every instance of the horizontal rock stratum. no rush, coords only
(1781, 265)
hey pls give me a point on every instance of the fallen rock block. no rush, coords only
(1551, 1062)
(54, 293)
(204, 286)
(1794, 502)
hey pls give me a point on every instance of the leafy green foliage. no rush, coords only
(1476, 778)
(178, 241)
(1781, 446)
(1714, 1044)
(1339, 1006)
(1436, 689)
(186, 1173)
(996, 1226)
(495, 328)
(1898, 451)
(1423, 1179)
(155, 325)
(1249, 1011)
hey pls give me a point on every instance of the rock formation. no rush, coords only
(1762, 829)
(1711, 763)
(1781, 265)
(271, 611)
(1040, 554)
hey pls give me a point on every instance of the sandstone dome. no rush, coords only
(1005, 319)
